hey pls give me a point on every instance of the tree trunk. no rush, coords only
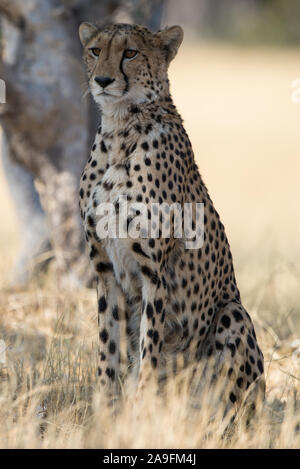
(48, 125)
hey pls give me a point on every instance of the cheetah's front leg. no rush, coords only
(110, 311)
(109, 296)
(151, 330)
(154, 296)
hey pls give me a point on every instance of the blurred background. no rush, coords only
(232, 81)
(236, 82)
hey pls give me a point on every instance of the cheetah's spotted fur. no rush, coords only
(173, 299)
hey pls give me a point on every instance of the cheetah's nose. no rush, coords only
(104, 81)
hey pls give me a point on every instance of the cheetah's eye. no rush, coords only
(95, 51)
(130, 53)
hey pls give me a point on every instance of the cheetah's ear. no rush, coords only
(86, 31)
(170, 40)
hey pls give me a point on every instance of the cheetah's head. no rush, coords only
(128, 64)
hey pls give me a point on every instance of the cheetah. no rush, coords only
(172, 298)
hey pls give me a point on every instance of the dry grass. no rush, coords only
(244, 129)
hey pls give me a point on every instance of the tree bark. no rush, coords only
(48, 125)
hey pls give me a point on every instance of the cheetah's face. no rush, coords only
(128, 63)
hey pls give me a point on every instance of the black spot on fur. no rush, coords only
(102, 304)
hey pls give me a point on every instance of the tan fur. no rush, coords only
(174, 300)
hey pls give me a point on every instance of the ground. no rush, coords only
(237, 107)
